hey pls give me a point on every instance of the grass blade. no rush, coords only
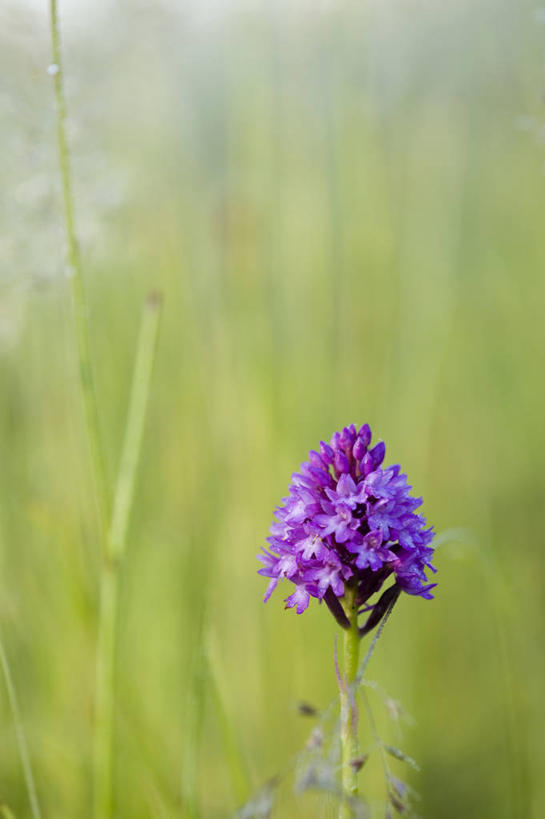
(21, 739)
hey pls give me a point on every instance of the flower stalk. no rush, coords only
(349, 713)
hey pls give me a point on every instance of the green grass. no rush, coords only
(346, 225)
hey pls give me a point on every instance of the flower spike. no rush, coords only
(349, 521)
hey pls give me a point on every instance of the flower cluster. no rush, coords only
(347, 519)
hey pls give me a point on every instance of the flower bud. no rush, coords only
(321, 477)
(377, 453)
(348, 436)
(316, 460)
(364, 433)
(341, 463)
(327, 452)
(336, 441)
(366, 465)
(359, 449)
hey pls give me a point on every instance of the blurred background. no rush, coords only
(342, 203)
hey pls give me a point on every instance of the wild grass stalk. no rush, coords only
(195, 704)
(113, 532)
(75, 276)
(111, 568)
(20, 734)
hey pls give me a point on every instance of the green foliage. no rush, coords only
(344, 212)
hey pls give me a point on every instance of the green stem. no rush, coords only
(349, 722)
(113, 537)
(103, 766)
(20, 734)
(140, 390)
(195, 709)
(77, 286)
(111, 567)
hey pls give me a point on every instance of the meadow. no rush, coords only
(342, 206)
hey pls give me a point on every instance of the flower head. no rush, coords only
(348, 519)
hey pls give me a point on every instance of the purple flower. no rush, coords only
(348, 520)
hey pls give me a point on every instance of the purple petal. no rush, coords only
(300, 598)
(346, 485)
(270, 588)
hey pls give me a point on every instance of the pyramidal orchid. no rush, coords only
(347, 527)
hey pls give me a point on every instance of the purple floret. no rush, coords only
(347, 519)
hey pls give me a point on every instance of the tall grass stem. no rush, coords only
(114, 535)
(195, 706)
(116, 547)
(20, 734)
(74, 273)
